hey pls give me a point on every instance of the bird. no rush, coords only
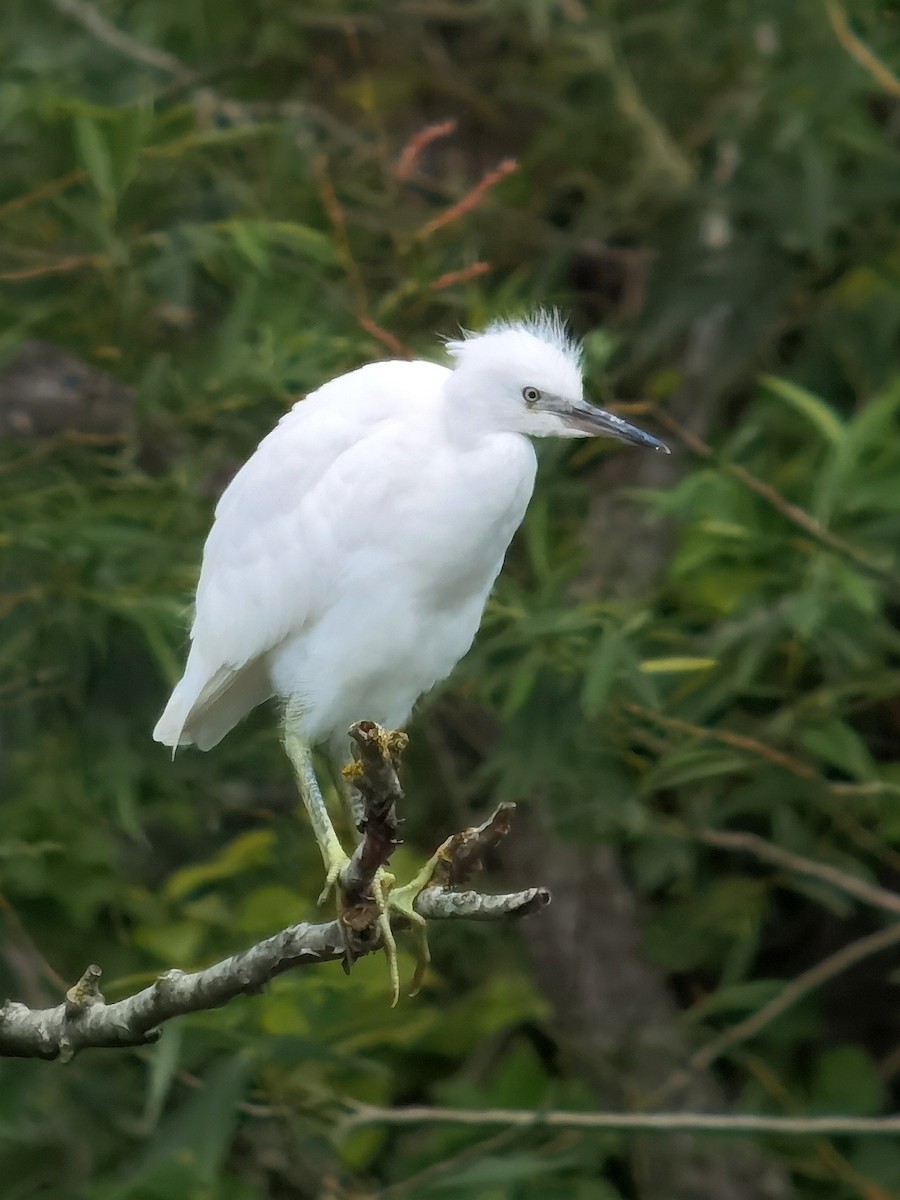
(352, 555)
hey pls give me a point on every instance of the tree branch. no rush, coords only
(104, 31)
(852, 885)
(791, 512)
(858, 50)
(374, 778)
(806, 982)
(85, 1019)
(633, 1122)
(443, 903)
(760, 749)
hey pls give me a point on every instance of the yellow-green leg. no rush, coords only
(387, 897)
(381, 889)
(333, 853)
(401, 901)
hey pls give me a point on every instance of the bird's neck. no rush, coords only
(469, 414)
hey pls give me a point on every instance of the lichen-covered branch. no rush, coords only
(443, 903)
(85, 1019)
(373, 776)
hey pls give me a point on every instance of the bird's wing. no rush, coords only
(278, 542)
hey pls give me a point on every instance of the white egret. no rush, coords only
(352, 555)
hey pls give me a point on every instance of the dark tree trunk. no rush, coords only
(618, 1022)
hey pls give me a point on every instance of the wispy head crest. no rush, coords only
(547, 325)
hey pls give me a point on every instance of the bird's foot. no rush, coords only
(390, 902)
(382, 885)
(401, 904)
(336, 859)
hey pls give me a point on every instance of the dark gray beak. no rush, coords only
(600, 423)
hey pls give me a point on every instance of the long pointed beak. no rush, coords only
(599, 423)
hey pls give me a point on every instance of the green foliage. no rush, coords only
(224, 242)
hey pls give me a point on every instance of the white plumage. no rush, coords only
(352, 555)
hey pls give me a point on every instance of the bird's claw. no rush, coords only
(381, 890)
(402, 899)
(388, 900)
(401, 902)
(421, 953)
(335, 864)
(391, 902)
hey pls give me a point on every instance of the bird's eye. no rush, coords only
(531, 395)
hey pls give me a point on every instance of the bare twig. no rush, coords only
(209, 105)
(793, 992)
(104, 31)
(462, 855)
(468, 202)
(60, 266)
(659, 1122)
(864, 838)
(792, 512)
(412, 151)
(42, 192)
(661, 149)
(463, 275)
(750, 843)
(413, 1184)
(335, 214)
(380, 334)
(739, 741)
(17, 931)
(834, 1162)
(760, 749)
(859, 51)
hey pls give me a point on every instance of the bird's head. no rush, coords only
(525, 377)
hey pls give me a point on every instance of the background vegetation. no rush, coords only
(212, 206)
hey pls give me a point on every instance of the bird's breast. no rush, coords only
(406, 596)
(473, 506)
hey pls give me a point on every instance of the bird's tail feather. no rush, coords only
(170, 726)
(205, 706)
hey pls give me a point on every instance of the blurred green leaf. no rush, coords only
(676, 665)
(817, 413)
(846, 1080)
(841, 746)
(600, 675)
(93, 151)
(251, 849)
